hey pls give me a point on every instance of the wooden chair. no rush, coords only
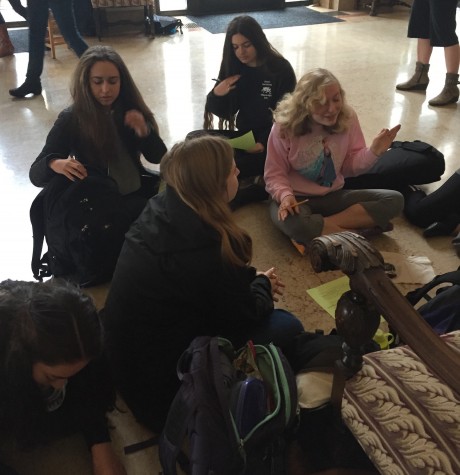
(53, 35)
(100, 7)
(402, 404)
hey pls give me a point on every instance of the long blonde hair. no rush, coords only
(294, 111)
(198, 169)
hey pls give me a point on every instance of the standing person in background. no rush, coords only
(184, 271)
(53, 380)
(433, 23)
(253, 77)
(315, 143)
(38, 18)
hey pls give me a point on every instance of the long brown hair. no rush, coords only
(197, 169)
(90, 116)
(294, 111)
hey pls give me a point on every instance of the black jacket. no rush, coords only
(169, 286)
(256, 94)
(65, 139)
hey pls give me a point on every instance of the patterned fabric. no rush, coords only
(120, 3)
(404, 417)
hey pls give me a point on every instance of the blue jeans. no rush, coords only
(279, 328)
(38, 19)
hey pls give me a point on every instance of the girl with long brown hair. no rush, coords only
(185, 271)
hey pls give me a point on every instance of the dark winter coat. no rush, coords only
(171, 285)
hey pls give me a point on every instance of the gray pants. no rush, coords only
(381, 205)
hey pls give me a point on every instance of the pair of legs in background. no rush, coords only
(433, 23)
(438, 212)
(38, 11)
(340, 210)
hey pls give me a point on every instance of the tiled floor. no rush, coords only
(368, 54)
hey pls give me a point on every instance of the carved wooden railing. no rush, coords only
(373, 294)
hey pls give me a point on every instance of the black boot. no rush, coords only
(30, 86)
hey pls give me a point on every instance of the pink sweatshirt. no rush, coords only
(316, 163)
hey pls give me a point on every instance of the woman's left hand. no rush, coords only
(136, 121)
(258, 148)
(276, 284)
(382, 142)
(106, 461)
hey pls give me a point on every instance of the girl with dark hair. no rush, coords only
(100, 139)
(53, 383)
(184, 271)
(107, 127)
(253, 77)
(315, 143)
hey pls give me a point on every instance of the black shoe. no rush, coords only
(27, 88)
(456, 244)
(438, 228)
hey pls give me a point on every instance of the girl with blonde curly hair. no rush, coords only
(315, 143)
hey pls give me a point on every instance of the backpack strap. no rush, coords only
(422, 292)
(39, 264)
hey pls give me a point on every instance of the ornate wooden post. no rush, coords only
(373, 294)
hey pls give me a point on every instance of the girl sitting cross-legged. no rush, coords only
(315, 143)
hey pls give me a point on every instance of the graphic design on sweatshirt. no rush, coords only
(266, 89)
(316, 163)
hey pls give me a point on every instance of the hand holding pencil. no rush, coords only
(289, 206)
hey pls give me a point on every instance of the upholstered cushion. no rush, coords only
(404, 417)
(120, 3)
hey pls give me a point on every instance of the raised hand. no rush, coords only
(382, 142)
(226, 85)
(136, 121)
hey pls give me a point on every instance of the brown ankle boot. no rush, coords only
(450, 92)
(419, 81)
(6, 47)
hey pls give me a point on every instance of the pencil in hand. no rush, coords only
(297, 203)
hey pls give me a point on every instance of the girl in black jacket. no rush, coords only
(52, 381)
(99, 139)
(253, 78)
(184, 271)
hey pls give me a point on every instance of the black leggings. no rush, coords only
(441, 205)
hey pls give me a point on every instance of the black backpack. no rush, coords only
(229, 423)
(405, 163)
(441, 312)
(84, 225)
(167, 25)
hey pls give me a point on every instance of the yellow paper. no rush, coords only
(243, 142)
(327, 295)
